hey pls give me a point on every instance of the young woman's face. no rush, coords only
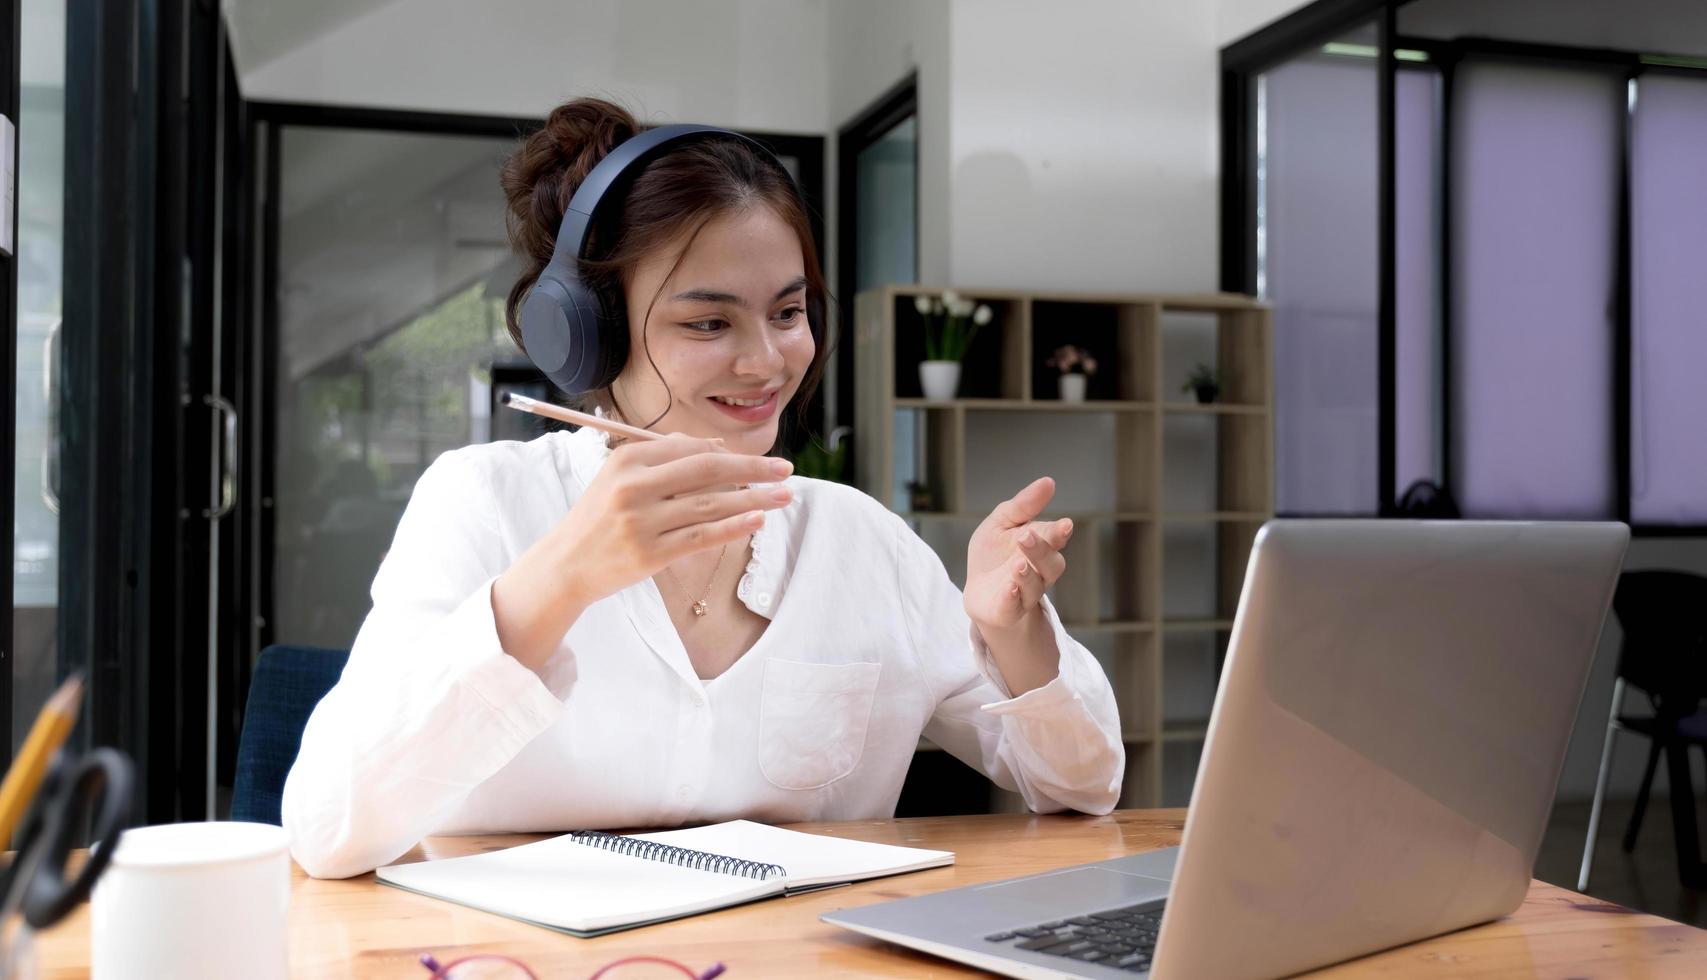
(728, 332)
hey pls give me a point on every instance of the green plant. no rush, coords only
(821, 462)
(1202, 376)
(951, 321)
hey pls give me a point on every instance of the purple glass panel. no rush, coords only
(1534, 215)
(1318, 267)
(1668, 350)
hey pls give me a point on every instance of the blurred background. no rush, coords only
(254, 264)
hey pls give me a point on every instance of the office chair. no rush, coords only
(289, 681)
(1664, 618)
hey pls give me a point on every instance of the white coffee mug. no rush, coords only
(193, 901)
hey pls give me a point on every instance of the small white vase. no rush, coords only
(1072, 387)
(940, 379)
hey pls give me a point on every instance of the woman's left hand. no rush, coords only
(1013, 558)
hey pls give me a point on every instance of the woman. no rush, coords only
(567, 636)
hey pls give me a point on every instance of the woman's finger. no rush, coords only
(707, 471)
(715, 505)
(1024, 506)
(710, 534)
(1030, 584)
(1057, 532)
(1045, 560)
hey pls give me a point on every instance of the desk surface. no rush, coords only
(359, 928)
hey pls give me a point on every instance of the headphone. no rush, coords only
(560, 317)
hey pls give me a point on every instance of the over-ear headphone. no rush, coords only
(560, 317)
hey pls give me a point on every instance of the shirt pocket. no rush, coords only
(813, 720)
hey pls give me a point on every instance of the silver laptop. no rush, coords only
(1381, 760)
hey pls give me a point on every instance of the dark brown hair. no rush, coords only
(674, 193)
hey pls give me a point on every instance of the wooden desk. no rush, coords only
(359, 928)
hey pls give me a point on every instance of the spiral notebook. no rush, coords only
(589, 883)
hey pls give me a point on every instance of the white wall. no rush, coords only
(1083, 144)
(748, 64)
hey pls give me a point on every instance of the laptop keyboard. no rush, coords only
(1123, 938)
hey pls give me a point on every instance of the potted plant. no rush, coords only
(1076, 365)
(951, 321)
(1205, 382)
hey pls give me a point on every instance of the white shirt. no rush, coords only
(434, 729)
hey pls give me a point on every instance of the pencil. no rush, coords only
(523, 403)
(49, 732)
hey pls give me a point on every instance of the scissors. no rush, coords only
(95, 786)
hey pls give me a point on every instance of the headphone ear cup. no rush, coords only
(560, 329)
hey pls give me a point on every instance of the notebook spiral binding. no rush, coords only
(683, 856)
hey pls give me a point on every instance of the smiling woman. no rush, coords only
(726, 346)
(570, 635)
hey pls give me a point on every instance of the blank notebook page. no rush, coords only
(569, 885)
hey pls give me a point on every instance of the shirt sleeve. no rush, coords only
(429, 705)
(1059, 745)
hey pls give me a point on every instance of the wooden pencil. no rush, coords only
(52, 727)
(523, 403)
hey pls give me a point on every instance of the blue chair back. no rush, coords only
(288, 683)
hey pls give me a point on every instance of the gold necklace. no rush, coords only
(699, 605)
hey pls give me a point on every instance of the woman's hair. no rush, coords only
(675, 193)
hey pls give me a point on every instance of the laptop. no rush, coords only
(1379, 767)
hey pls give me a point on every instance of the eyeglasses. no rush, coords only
(493, 966)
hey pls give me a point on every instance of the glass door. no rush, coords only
(392, 270)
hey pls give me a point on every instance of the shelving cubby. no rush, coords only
(1159, 488)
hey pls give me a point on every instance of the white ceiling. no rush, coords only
(750, 64)
(263, 30)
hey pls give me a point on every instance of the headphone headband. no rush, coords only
(560, 317)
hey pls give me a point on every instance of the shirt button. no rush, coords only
(764, 599)
(684, 792)
(698, 700)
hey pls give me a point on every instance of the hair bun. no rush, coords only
(541, 176)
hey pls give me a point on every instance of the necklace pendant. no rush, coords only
(699, 607)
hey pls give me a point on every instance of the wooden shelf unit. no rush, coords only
(1111, 596)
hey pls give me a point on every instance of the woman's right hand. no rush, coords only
(652, 503)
